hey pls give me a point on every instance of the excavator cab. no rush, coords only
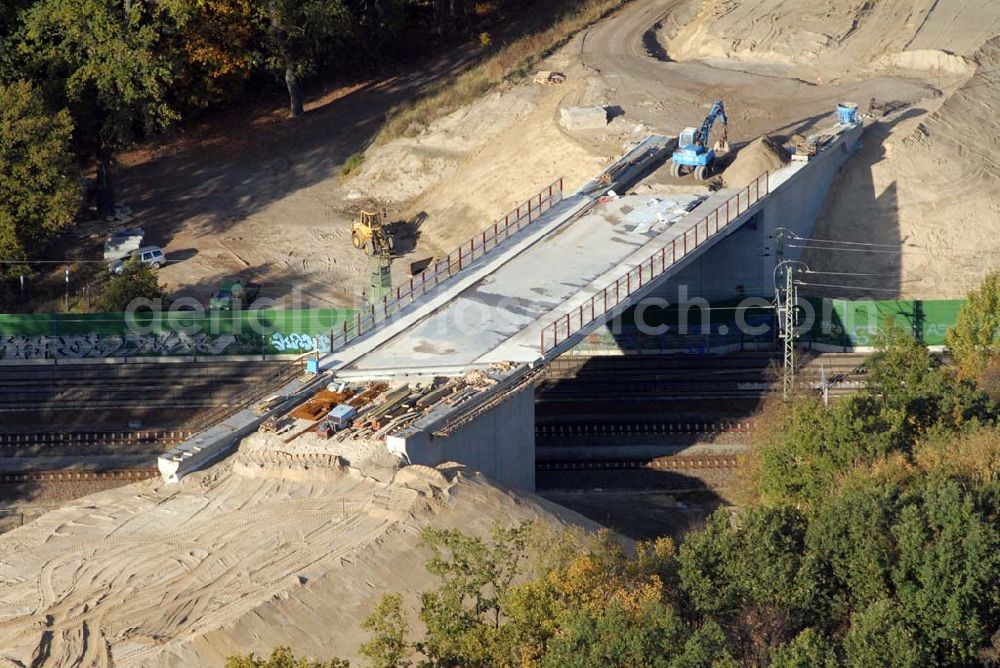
(687, 137)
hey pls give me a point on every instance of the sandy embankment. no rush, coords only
(278, 545)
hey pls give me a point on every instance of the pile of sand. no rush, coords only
(466, 170)
(930, 186)
(234, 560)
(826, 39)
(761, 155)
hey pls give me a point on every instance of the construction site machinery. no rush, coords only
(693, 154)
(368, 233)
(233, 294)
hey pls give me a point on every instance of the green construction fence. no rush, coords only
(180, 333)
(856, 323)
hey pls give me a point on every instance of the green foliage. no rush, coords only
(353, 162)
(909, 397)
(878, 636)
(388, 626)
(755, 575)
(809, 649)
(282, 657)
(137, 281)
(39, 189)
(926, 556)
(10, 26)
(463, 617)
(974, 340)
(706, 648)
(946, 571)
(851, 532)
(594, 639)
(115, 60)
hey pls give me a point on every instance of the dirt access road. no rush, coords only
(628, 55)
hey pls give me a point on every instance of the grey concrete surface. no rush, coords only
(583, 118)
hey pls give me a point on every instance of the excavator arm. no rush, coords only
(718, 112)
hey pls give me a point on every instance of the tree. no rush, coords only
(908, 396)
(115, 62)
(137, 281)
(297, 32)
(219, 45)
(463, 617)
(281, 657)
(879, 637)
(39, 188)
(706, 648)
(947, 570)
(10, 26)
(651, 637)
(809, 649)
(974, 339)
(755, 576)
(388, 647)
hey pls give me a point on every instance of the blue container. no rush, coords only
(312, 366)
(847, 113)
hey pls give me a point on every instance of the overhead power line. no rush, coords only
(845, 273)
(846, 287)
(846, 250)
(797, 237)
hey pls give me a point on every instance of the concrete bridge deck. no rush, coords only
(591, 263)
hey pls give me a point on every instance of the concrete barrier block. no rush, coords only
(583, 118)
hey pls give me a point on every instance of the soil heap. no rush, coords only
(283, 544)
(761, 155)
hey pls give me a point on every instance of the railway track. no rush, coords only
(637, 428)
(672, 463)
(74, 476)
(76, 439)
(107, 387)
(710, 378)
(181, 395)
(569, 366)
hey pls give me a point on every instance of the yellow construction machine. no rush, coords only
(368, 233)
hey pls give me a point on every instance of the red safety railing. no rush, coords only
(440, 271)
(657, 263)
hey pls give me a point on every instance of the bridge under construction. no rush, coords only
(456, 345)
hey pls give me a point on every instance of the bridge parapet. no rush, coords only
(564, 326)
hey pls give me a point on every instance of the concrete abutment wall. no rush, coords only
(499, 443)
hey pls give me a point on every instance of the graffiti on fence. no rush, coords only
(97, 345)
(297, 342)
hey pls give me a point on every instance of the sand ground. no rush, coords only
(278, 545)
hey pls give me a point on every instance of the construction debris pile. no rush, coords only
(374, 410)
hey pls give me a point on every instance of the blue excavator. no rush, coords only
(693, 154)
